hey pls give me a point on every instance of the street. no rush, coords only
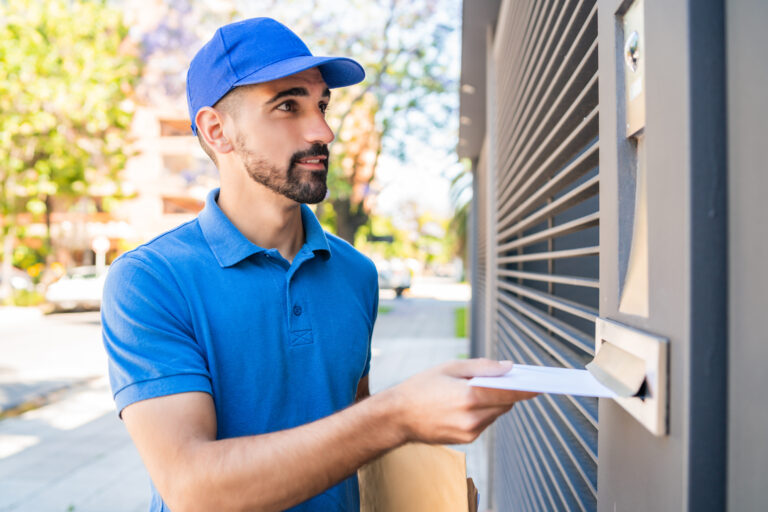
(71, 453)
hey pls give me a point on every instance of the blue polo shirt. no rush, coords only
(276, 344)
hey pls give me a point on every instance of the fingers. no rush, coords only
(476, 368)
(491, 397)
(482, 419)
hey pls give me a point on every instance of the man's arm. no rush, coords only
(176, 437)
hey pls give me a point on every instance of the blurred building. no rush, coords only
(168, 178)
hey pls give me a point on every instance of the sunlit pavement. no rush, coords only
(41, 354)
(74, 454)
(71, 455)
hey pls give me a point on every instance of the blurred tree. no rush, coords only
(408, 97)
(461, 197)
(67, 72)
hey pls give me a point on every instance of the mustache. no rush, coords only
(315, 150)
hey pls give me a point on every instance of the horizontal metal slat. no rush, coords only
(541, 119)
(550, 255)
(529, 421)
(582, 164)
(551, 278)
(570, 449)
(523, 490)
(578, 339)
(533, 59)
(566, 305)
(590, 447)
(522, 101)
(511, 19)
(576, 137)
(540, 338)
(586, 190)
(544, 481)
(593, 219)
(561, 403)
(536, 453)
(519, 49)
(526, 119)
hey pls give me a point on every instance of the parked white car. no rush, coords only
(79, 288)
(394, 274)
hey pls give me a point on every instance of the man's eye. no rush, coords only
(288, 106)
(323, 107)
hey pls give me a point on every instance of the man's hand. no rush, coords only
(439, 406)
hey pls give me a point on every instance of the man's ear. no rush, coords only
(210, 124)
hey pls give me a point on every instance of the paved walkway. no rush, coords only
(73, 454)
(43, 354)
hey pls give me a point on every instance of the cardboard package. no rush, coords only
(417, 477)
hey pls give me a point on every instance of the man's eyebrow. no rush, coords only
(296, 91)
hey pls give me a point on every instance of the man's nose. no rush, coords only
(318, 131)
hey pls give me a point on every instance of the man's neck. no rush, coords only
(264, 217)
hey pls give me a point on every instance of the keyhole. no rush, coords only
(632, 50)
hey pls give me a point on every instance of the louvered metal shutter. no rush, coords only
(546, 245)
(479, 237)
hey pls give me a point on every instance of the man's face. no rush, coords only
(282, 137)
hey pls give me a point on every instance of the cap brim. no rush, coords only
(336, 71)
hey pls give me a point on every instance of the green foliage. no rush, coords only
(327, 216)
(24, 298)
(426, 239)
(461, 196)
(66, 76)
(460, 322)
(25, 257)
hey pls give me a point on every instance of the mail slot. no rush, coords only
(634, 364)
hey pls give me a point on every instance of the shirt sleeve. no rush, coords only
(148, 334)
(374, 315)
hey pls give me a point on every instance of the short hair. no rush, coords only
(228, 104)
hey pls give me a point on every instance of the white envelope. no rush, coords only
(544, 379)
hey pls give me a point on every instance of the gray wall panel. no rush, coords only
(748, 279)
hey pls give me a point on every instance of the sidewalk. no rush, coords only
(75, 455)
(40, 355)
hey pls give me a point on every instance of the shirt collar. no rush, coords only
(229, 245)
(314, 235)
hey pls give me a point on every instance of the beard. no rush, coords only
(300, 185)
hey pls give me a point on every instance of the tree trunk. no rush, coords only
(349, 218)
(48, 246)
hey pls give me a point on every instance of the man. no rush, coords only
(240, 341)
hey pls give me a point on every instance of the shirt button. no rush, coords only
(297, 310)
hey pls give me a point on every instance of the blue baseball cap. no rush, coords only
(254, 51)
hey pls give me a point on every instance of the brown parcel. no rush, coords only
(417, 478)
